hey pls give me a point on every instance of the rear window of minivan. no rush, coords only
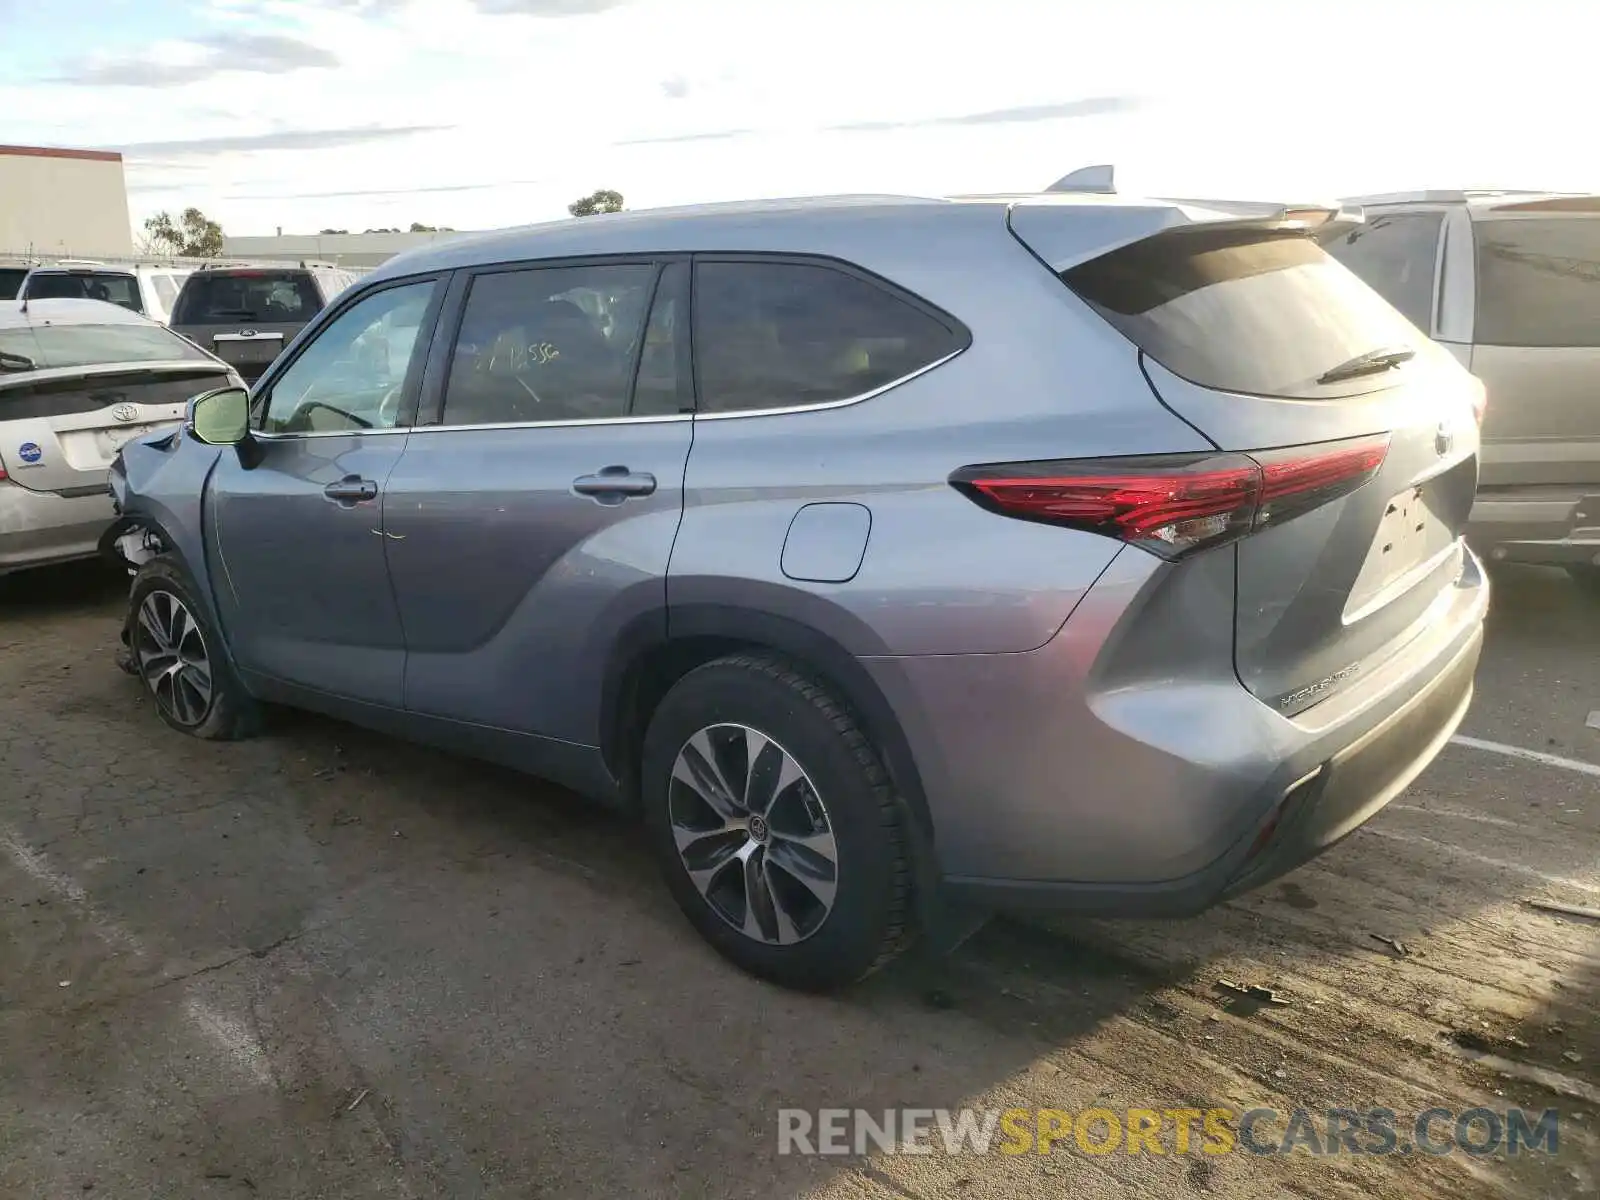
(1243, 310)
(106, 286)
(229, 297)
(1538, 281)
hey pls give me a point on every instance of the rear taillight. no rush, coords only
(1480, 401)
(1175, 504)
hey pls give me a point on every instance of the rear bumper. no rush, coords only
(39, 528)
(1551, 526)
(1165, 800)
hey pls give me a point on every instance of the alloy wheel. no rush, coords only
(173, 659)
(753, 834)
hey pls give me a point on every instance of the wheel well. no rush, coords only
(652, 672)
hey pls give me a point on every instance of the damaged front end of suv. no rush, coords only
(157, 486)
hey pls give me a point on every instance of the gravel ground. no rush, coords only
(326, 964)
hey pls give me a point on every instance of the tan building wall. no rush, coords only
(63, 203)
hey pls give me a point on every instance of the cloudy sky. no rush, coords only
(308, 114)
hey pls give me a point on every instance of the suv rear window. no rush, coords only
(112, 288)
(229, 297)
(1538, 282)
(86, 345)
(1242, 310)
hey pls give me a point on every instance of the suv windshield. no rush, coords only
(110, 287)
(49, 346)
(1265, 313)
(229, 297)
(1538, 281)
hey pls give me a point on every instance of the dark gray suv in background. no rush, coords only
(1075, 551)
(246, 315)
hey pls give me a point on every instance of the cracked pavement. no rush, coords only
(323, 963)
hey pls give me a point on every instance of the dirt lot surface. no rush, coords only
(326, 964)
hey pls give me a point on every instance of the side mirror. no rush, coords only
(220, 418)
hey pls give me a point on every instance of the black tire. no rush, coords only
(225, 711)
(1587, 578)
(870, 920)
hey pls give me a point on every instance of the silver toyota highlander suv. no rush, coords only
(891, 556)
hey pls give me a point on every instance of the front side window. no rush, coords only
(1538, 282)
(784, 334)
(121, 290)
(351, 376)
(548, 344)
(1395, 256)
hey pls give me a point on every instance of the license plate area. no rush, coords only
(93, 449)
(248, 350)
(1413, 536)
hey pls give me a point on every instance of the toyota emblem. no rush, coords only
(249, 333)
(1443, 439)
(125, 412)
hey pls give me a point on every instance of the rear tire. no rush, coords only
(1588, 580)
(775, 824)
(179, 656)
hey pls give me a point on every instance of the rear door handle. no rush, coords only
(615, 483)
(351, 489)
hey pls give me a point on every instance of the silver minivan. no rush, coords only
(1509, 281)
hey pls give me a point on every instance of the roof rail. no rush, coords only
(1100, 179)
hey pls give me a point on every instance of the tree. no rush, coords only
(325, 232)
(419, 227)
(192, 235)
(603, 201)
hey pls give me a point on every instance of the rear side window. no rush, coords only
(786, 334)
(122, 290)
(264, 297)
(86, 345)
(1242, 311)
(1396, 257)
(11, 280)
(548, 344)
(1538, 282)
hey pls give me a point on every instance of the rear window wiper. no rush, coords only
(16, 362)
(1370, 363)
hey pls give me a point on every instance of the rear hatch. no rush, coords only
(246, 316)
(61, 425)
(1536, 342)
(1354, 435)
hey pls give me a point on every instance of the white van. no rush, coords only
(147, 288)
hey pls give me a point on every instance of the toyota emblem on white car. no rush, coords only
(125, 412)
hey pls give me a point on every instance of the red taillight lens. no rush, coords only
(1173, 505)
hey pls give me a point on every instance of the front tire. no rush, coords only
(775, 824)
(178, 655)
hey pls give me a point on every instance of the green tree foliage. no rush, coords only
(603, 201)
(191, 235)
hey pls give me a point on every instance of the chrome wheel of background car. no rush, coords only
(172, 658)
(753, 834)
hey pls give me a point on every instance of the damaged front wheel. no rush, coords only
(177, 654)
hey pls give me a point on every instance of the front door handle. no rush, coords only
(351, 490)
(614, 484)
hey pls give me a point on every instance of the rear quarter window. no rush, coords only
(1396, 255)
(10, 280)
(1243, 311)
(787, 334)
(1538, 281)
